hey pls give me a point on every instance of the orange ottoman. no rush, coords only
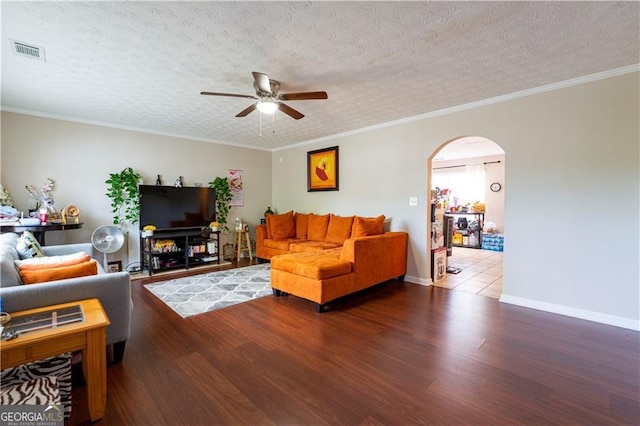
(318, 277)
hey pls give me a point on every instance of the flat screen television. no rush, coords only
(169, 207)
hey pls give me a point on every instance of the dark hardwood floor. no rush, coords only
(396, 354)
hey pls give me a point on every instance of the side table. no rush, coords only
(242, 243)
(88, 335)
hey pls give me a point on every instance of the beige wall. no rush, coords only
(571, 192)
(79, 158)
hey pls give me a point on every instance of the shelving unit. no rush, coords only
(179, 249)
(473, 237)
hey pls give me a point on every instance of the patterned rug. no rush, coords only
(207, 292)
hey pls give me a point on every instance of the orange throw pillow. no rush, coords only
(317, 228)
(282, 225)
(267, 218)
(365, 226)
(63, 272)
(302, 225)
(48, 262)
(339, 229)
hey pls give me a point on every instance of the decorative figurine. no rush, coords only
(70, 213)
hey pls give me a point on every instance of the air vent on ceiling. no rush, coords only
(28, 50)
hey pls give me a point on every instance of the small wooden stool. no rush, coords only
(240, 244)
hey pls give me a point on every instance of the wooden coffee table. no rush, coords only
(88, 336)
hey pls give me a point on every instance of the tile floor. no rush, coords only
(481, 272)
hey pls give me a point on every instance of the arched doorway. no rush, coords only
(466, 182)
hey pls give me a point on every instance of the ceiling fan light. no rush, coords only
(267, 106)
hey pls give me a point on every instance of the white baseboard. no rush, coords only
(617, 321)
(417, 280)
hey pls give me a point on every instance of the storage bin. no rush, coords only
(493, 242)
(472, 239)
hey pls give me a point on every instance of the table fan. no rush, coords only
(107, 239)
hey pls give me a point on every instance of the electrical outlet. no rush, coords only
(413, 201)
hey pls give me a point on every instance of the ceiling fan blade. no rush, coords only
(246, 111)
(228, 94)
(290, 111)
(304, 96)
(262, 82)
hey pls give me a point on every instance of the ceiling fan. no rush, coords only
(268, 98)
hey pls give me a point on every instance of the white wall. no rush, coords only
(494, 201)
(572, 153)
(79, 158)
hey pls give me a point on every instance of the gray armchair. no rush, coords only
(112, 289)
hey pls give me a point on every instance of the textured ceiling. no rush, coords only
(142, 65)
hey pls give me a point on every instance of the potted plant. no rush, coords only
(125, 197)
(147, 230)
(223, 200)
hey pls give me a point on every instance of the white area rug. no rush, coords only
(207, 292)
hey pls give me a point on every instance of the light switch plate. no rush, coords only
(413, 201)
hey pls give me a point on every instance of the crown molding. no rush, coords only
(464, 107)
(477, 104)
(4, 108)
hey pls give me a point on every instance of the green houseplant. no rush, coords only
(223, 199)
(125, 197)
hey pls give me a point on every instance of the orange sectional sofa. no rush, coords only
(324, 257)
